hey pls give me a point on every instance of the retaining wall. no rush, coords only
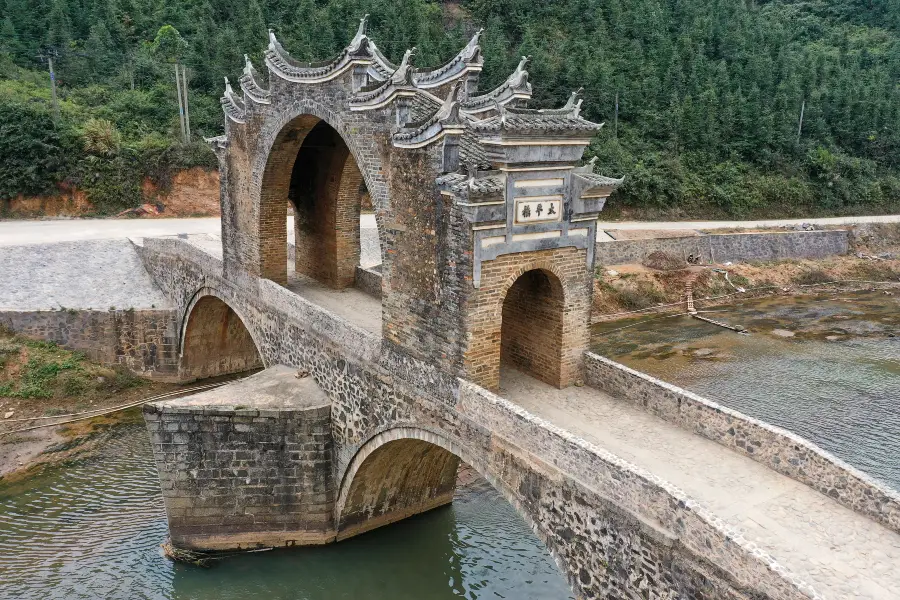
(776, 448)
(734, 247)
(144, 341)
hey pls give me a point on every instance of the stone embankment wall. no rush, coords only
(734, 247)
(611, 526)
(144, 341)
(776, 448)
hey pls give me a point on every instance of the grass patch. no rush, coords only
(812, 277)
(875, 271)
(39, 370)
(643, 295)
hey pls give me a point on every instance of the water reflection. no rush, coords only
(94, 529)
(827, 368)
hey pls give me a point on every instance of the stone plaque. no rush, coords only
(538, 211)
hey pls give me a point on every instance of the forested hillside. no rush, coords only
(709, 91)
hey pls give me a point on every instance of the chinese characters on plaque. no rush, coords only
(533, 211)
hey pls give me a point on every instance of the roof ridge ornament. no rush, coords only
(501, 112)
(472, 48)
(449, 110)
(356, 43)
(404, 73)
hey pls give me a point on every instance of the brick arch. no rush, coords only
(565, 265)
(407, 451)
(272, 171)
(215, 338)
(532, 310)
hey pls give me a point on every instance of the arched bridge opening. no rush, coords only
(406, 471)
(397, 480)
(216, 342)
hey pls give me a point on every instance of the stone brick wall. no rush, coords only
(369, 280)
(555, 332)
(144, 341)
(778, 449)
(236, 477)
(591, 508)
(734, 247)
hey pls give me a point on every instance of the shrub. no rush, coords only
(32, 153)
(101, 138)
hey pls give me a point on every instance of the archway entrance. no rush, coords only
(311, 169)
(325, 191)
(216, 342)
(531, 331)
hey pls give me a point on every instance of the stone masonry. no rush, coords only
(248, 464)
(585, 504)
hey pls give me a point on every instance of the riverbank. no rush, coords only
(661, 282)
(41, 383)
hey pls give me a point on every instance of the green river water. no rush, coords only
(93, 530)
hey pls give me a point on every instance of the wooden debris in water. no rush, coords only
(185, 556)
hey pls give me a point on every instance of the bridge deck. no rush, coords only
(841, 553)
(350, 304)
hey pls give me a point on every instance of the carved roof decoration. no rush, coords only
(232, 105)
(281, 63)
(471, 151)
(593, 184)
(560, 122)
(217, 143)
(251, 86)
(378, 95)
(514, 89)
(468, 59)
(491, 129)
(473, 184)
(446, 119)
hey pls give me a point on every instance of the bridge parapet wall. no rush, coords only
(776, 448)
(611, 527)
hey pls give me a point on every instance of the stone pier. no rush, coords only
(248, 464)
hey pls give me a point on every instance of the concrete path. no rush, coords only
(839, 552)
(22, 232)
(637, 225)
(18, 233)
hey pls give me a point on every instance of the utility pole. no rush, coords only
(187, 110)
(800, 126)
(616, 119)
(51, 54)
(180, 103)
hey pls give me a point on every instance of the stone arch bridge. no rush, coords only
(468, 343)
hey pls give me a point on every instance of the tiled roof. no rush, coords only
(463, 184)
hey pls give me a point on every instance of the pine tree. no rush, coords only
(9, 40)
(101, 51)
(59, 28)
